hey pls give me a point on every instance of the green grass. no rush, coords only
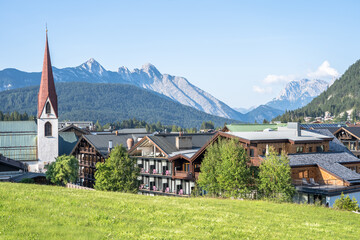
(46, 212)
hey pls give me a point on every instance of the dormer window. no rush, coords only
(47, 108)
(48, 129)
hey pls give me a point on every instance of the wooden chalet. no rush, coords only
(91, 149)
(169, 163)
(350, 136)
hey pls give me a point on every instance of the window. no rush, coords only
(251, 152)
(47, 108)
(264, 152)
(299, 149)
(280, 150)
(320, 148)
(186, 167)
(48, 129)
(310, 149)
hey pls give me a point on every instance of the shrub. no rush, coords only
(27, 180)
(63, 170)
(345, 203)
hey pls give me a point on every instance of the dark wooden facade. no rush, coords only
(349, 139)
(88, 156)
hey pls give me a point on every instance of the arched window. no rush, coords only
(47, 108)
(48, 129)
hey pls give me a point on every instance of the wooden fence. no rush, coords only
(70, 185)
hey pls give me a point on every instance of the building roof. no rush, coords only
(18, 140)
(252, 127)
(101, 142)
(167, 142)
(26, 175)
(355, 131)
(322, 125)
(47, 85)
(132, 130)
(283, 135)
(330, 161)
(67, 141)
(12, 163)
(335, 145)
(72, 126)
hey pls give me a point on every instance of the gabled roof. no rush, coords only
(330, 161)
(67, 141)
(47, 85)
(354, 131)
(167, 143)
(72, 126)
(101, 142)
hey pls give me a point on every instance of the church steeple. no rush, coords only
(47, 85)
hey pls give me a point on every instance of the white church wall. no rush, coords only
(48, 146)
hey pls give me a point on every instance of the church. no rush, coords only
(38, 143)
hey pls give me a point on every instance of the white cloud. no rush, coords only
(258, 89)
(271, 78)
(324, 71)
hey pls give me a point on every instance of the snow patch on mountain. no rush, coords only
(298, 93)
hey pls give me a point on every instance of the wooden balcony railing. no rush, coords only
(183, 175)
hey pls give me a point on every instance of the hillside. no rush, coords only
(343, 95)
(48, 212)
(179, 89)
(109, 103)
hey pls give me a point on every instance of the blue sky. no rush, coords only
(242, 52)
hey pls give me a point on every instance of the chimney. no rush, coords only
(183, 142)
(296, 127)
(130, 143)
(110, 146)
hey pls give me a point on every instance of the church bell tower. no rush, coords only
(47, 115)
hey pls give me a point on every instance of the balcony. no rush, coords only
(183, 175)
(87, 150)
(154, 172)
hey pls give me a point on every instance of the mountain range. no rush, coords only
(108, 103)
(178, 89)
(342, 96)
(298, 93)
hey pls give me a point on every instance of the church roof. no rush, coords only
(47, 85)
(18, 140)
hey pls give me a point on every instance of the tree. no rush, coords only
(98, 126)
(207, 125)
(118, 173)
(208, 177)
(275, 177)
(265, 121)
(63, 170)
(224, 170)
(345, 203)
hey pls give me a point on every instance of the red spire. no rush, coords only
(47, 85)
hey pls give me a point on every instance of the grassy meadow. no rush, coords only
(47, 212)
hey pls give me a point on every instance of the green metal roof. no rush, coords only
(253, 127)
(18, 140)
(67, 141)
